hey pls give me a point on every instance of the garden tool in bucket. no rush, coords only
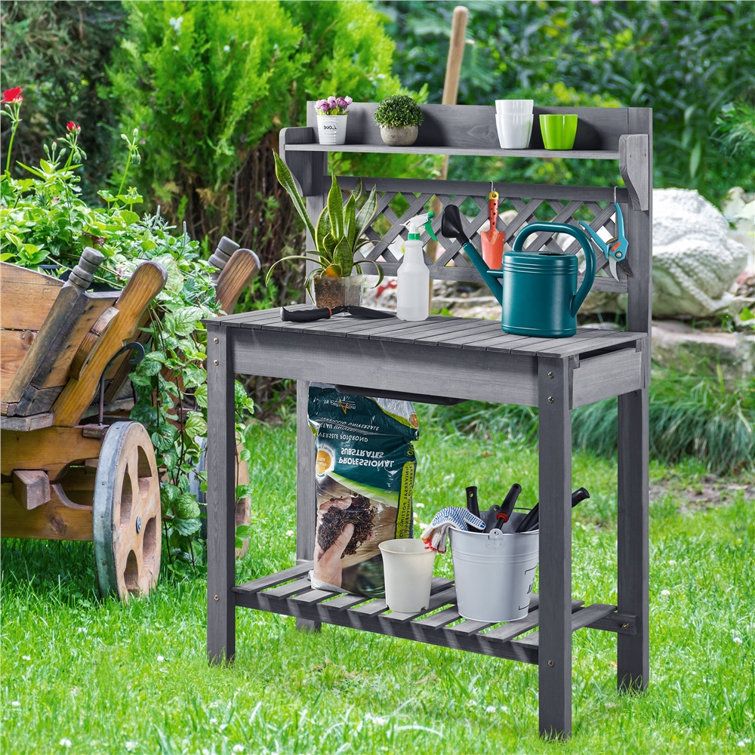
(537, 290)
(492, 239)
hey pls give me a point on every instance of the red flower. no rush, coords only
(12, 95)
(71, 126)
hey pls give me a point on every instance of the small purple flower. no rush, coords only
(348, 101)
(332, 100)
(341, 102)
(323, 105)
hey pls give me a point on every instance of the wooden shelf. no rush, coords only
(289, 593)
(415, 149)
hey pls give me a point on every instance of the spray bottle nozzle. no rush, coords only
(414, 224)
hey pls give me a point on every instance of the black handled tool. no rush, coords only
(532, 520)
(504, 512)
(472, 504)
(323, 313)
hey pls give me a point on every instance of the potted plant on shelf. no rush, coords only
(331, 119)
(338, 235)
(399, 117)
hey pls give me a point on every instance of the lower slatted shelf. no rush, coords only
(289, 592)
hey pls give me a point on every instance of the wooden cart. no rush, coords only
(65, 477)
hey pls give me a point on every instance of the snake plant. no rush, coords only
(339, 232)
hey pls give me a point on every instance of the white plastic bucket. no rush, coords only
(494, 573)
(408, 569)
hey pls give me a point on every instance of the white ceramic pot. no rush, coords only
(399, 137)
(331, 129)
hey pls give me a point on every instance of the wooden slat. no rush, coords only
(14, 346)
(289, 589)
(27, 297)
(235, 277)
(146, 282)
(50, 449)
(27, 424)
(60, 519)
(580, 618)
(275, 579)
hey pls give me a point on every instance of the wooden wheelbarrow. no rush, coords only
(63, 478)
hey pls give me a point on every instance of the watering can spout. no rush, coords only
(451, 227)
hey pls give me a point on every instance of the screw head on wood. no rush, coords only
(216, 340)
(216, 597)
(551, 664)
(138, 525)
(215, 362)
(550, 375)
(550, 399)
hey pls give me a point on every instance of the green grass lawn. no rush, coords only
(86, 676)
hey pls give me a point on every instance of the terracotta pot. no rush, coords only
(336, 292)
(402, 136)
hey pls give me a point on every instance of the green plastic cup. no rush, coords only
(558, 131)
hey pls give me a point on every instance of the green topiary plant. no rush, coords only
(397, 111)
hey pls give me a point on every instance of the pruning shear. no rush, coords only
(615, 249)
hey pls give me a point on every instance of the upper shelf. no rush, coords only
(622, 134)
(415, 149)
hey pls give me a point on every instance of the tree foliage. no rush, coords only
(210, 84)
(686, 60)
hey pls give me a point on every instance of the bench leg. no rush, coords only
(221, 500)
(305, 489)
(632, 650)
(554, 440)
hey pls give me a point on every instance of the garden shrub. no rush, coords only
(210, 84)
(687, 60)
(58, 52)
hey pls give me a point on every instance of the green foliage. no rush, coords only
(58, 52)
(209, 85)
(397, 111)
(686, 60)
(339, 232)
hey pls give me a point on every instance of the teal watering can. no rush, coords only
(537, 291)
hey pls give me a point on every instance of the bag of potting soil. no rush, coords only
(364, 473)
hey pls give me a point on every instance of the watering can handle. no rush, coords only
(578, 234)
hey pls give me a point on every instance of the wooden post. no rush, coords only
(554, 442)
(450, 94)
(221, 499)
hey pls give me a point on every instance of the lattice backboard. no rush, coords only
(402, 199)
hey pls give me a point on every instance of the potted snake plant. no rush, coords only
(334, 277)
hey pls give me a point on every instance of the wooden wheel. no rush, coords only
(126, 515)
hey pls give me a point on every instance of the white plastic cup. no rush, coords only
(494, 573)
(408, 569)
(514, 106)
(514, 130)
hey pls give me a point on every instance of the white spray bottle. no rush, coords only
(413, 289)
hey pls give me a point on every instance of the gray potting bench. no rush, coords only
(447, 358)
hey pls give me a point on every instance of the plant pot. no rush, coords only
(337, 292)
(401, 136)
(331, 129)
